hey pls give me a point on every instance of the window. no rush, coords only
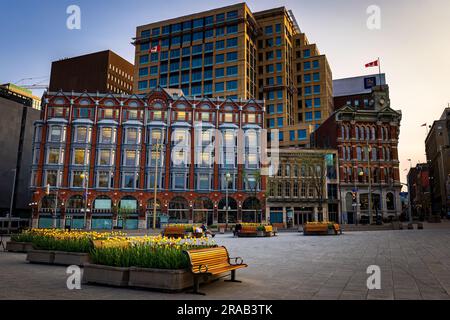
(220, 32)
(279, 56)
(219, 86)
(232, 85)
(81, 135)
(143, 59)
(317, 115)
(317, 89)
(186, 39)
(176, 41)
(54, 156)
(56, 134)
(228, 117)
(292, 135)
(279, 108)
(143, 72)
(220, 45)
(307, 78)
(106, 135)
(129, 180)
(209, 20)
(187, 25)
(104, 157)
(317, 102)
(307, 65)
(278, 41)
(308, 103)
(280, 122)
(197, 36)
(268, 30)
(316, 64)
(105, 179)
(179, 181)
(232, 29)
(269, 68)
(79, 157)
(232, 15)
(220, 72)
(269, 55)
(301, 134)
(232, 42)
(142, 85)
(220, 17)
(78, 179)
(278, 28)
(132, 136)
(203, 181)
(231, 56)
(130, 158)
(209, 34)
(306, 53)
(197, 23)
(308, 116)
(271, 123)
(281, 136)
(232, 71)
(220, 58)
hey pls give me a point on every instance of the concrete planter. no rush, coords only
(22, 247)
(71, 258)
(160, 279)
(111, 276)
(41, 256)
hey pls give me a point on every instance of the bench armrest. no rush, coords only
(200, 268)
(241, 261)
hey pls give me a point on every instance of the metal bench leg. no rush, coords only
(233, 277)
(196, 287)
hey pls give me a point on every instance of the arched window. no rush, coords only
(358, 153)
(388, 154)
(367, 133)
(343, 132)
(357, 133)
(373, 133)
(347, 132)
(295, 170)
(361, 133)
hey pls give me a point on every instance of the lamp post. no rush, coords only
(227, 178)
(369, 149)
(85, 176)
(155, 184)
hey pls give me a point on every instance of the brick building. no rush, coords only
(102, 162)
(419, 182)
(103, 71)
(236, 53)
(437, 146)
(367, 141)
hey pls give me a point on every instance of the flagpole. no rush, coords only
(379, 71)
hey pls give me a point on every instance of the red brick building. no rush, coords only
(367, 141)
(202, 150)
(103, 71)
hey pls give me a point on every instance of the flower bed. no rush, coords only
(55, 246)
(152, 262)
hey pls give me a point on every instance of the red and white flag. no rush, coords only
(155, 49)
(372, 64)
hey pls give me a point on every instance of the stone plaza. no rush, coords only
(415, 264)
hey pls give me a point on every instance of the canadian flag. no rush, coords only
(155, 49)
(372, 64)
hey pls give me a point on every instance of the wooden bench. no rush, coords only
(175, 232)
(210, 262)
(247, 231)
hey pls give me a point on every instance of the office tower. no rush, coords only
(232, 52)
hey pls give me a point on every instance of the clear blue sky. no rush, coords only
(413, 43)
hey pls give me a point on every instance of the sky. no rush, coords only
(413, 43)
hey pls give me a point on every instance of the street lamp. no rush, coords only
(85, 176)
(155, 183)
